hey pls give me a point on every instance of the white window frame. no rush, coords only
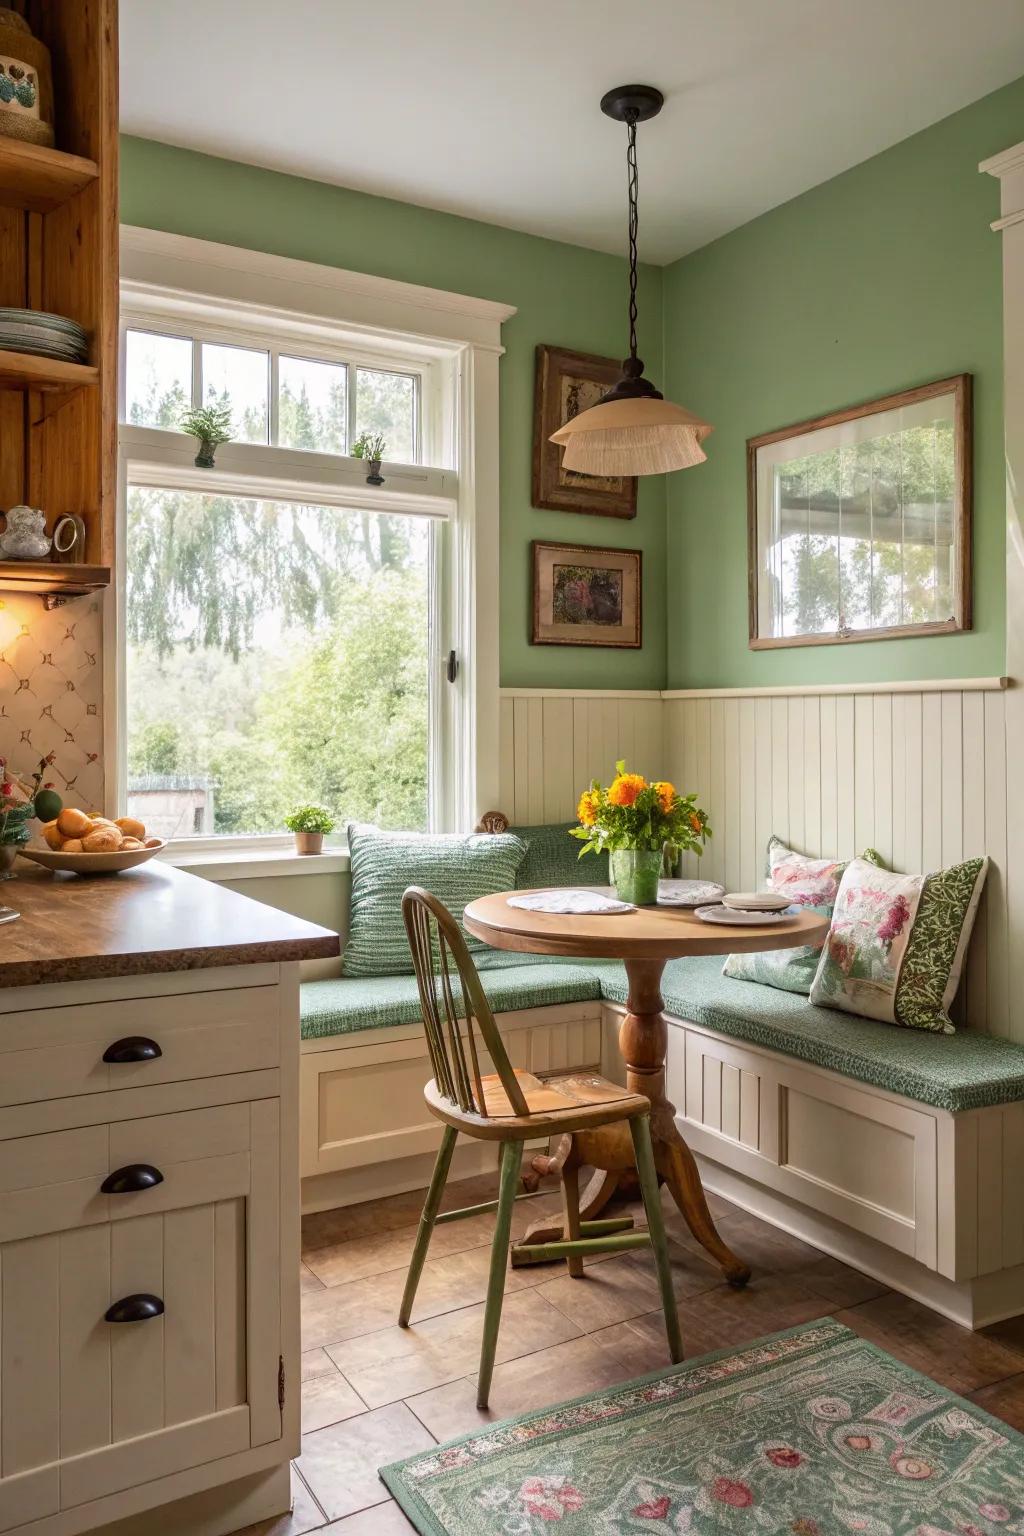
(452, 340)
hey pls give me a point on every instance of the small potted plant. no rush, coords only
(370, 447)
(211, 426)
(310, 823)
(636, 821)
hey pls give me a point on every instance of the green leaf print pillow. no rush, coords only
(809, 883)
(896, 947)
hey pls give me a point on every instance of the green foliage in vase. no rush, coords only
(310, 818)
(370, 446)
(209, 423)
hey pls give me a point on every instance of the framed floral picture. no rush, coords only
(586, 596)
(566, 384)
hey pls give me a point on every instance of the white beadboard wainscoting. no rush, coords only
(553, 742)
(916, 770)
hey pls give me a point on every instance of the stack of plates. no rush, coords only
(748, 907)
(31, 330)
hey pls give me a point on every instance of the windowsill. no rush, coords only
(256, 863)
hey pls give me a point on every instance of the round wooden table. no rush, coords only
(644, 939)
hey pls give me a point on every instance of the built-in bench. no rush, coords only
(898, 1150)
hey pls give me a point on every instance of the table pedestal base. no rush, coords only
(643, 1040)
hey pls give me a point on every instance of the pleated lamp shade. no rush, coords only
(632, 437)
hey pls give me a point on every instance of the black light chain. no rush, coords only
(632, 182)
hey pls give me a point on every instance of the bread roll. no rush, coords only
(102, 840)
(131, 843)
(52, 836)
(73, 823)
(152, 842)
(72, 845)
(131, 827)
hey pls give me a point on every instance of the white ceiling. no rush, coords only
(489, 108)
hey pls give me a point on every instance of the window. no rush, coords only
(859, 522)
(279, 628)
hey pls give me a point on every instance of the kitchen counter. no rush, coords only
(142, 921)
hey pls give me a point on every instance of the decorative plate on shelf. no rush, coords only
(732, 918)
(688, 893)
(91, 863)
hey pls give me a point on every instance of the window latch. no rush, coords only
(451, 670)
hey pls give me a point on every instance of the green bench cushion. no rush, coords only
(345, 1004)
(553, 859)
(967, 1070)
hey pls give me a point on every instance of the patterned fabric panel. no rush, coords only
(966, 1071)
(552, 858)
(810, 883)
(455, 869)
(896, 946)
(343, 1005)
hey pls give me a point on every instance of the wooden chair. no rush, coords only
(511, 1107)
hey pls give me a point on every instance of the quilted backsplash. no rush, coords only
(51, 693)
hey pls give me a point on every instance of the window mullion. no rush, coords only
(273, 422)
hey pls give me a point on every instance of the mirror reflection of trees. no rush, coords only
(864, 535)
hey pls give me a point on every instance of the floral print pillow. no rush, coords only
(895, 950)
(807, 882)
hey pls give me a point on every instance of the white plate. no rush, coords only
(733, 919)
(688, 893)
(756, 901)
(90, 863)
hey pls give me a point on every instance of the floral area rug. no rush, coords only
(813, 1431)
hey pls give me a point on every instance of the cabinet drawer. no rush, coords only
(54, 1053)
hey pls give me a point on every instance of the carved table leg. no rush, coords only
(643, 1040)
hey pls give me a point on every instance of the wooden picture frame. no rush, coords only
(584, 595)
(906, 410)
(565, 384)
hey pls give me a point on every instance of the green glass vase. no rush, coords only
(635, 873)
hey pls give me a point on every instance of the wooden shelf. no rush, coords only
(37, 178)
(23, 370)
(54, 582)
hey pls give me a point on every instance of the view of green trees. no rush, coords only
(864, 535)
(279, 650)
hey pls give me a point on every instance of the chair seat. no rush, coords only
(576, 1102)
(543, 1096)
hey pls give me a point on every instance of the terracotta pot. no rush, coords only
(309, 842)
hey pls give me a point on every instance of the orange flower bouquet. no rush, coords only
(641, 825)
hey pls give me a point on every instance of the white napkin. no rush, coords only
(573, 903)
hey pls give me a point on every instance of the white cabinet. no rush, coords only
(148, 1259)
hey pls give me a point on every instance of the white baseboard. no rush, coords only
(971, 1303)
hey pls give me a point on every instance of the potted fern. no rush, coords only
(310, 823)
(210, 425)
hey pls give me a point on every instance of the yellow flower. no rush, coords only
(666, 794)
(587, 808)
(625, 789)
(695, 822)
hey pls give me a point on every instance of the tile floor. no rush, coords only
(373, 1393)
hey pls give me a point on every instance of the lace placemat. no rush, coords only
(570, 902)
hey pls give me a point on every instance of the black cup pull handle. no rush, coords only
(125, 1181)
(132, 1048)
(134, 1309)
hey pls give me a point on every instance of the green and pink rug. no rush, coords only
(812, 1432)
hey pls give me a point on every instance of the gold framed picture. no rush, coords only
(566, 384)
(586, 596)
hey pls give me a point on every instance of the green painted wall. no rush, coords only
(564, 296)
(885, 277)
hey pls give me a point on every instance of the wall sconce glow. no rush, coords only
(633, 429)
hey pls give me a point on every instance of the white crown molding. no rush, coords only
(581, 693)
(161, 260)
(929, 685)
(1005, 163)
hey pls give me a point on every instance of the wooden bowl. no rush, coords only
(90, 863)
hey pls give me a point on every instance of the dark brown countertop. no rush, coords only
(154, 918)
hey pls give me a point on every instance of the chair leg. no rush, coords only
(511, 1157)
(640, 1130)
(571, 1214)
(438, 1179)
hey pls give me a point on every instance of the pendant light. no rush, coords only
(633, 429)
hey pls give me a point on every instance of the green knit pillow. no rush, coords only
(553, 859)
(454, 868)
